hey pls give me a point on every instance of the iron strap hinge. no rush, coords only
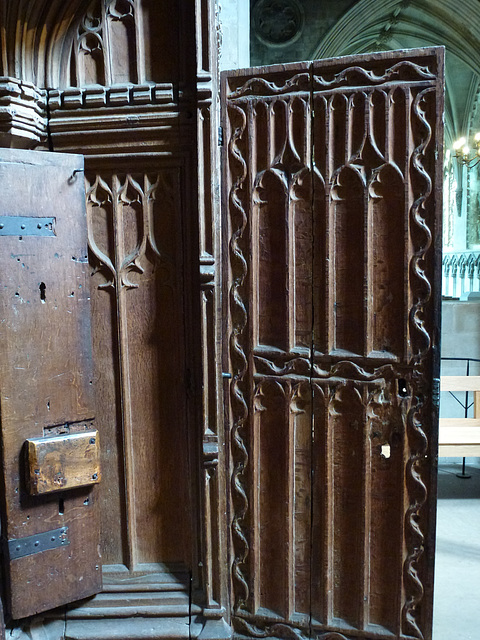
(20, 547)
(26, 226)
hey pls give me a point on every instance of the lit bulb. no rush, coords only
(477, 137)
(458, 144)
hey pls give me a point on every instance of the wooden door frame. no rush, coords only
(179, 125)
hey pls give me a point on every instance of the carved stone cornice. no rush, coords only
(23, 121)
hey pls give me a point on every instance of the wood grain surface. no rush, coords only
(63, 462)
(334, 205)
(46, 381)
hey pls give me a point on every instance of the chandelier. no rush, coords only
(464, 154)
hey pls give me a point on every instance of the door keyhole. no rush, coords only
(43, 288)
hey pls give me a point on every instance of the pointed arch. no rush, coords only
(33, 36)
(373, 25)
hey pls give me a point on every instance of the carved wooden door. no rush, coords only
(333, 191)
(50, 530)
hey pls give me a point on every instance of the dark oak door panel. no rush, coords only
(333, 191)
(50, 541)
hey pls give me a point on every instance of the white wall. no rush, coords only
(234, 17)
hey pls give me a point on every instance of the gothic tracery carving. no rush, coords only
(136, 196)
(356, 126)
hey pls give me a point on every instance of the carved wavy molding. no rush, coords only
(348, 370)
(238, 359)
(302, 367)
(281, 363)
(355, 76)
(268, 362)
(421, 347)
(262, 87)
(283, 631)
(404, 72)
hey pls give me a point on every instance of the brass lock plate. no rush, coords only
(62, 462)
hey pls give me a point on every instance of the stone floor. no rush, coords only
(457, 570)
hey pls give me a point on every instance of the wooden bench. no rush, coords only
(460, 437)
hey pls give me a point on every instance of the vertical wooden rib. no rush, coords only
(384, 423)
(157, 383)
(346, 420)
(289, 512)
(365, 532)
(387, 262)
(378, 121)
(273, 489)
(271, 260)
(330, 231)
(399, 155)
(321, 229)
(300, 227)
(349, 261)
(301, 408)
(301, 285)
(105, 333)
(338, 133)
(404, 147)
(289, 229)
(254, 493)
(125, 389)
(290, 316)
(255, 163)
(322, 511)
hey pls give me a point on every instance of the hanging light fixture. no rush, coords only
(464, 154)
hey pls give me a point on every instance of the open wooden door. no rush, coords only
(333, 189)
(48, 435)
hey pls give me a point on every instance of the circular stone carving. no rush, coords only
(277, 21)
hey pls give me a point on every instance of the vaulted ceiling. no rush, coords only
(307, 29)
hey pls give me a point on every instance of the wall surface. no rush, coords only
(286, 30)
(460, 339)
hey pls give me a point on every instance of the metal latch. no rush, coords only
(63, 461)
(436, 392)
(20, 547)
